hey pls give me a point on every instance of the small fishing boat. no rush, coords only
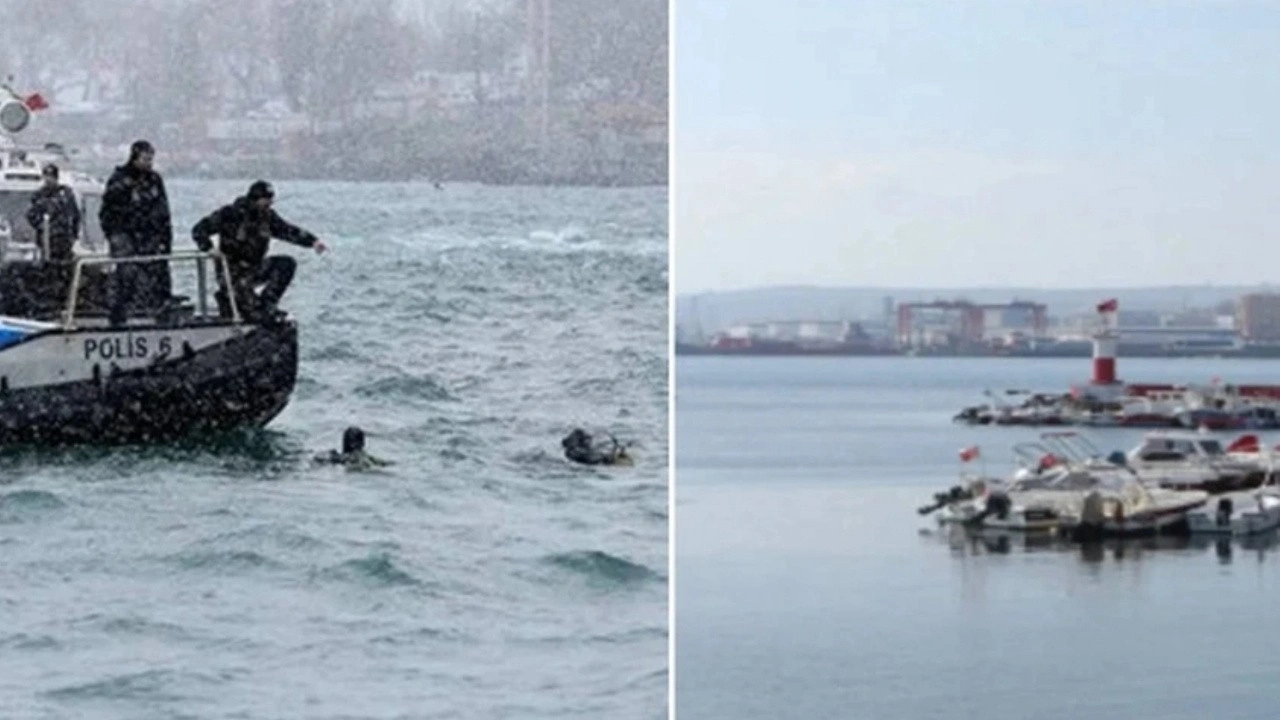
(1064, 485)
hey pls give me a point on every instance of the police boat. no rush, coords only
(68, 376)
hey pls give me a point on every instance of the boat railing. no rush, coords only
(44, 236)
(199, 258)
(1030, 454)
(1073, 446)
(1084, 454)
(1009, 399)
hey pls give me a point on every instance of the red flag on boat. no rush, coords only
(1048, 461)
(1108, 305)
(35, 101)
(969, 453)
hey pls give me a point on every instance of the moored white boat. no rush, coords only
(1060, 487)
(1248, 512)
(1186, 460)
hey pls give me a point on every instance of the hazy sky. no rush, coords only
(1061, 143)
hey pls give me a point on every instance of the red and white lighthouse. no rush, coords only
(1105, 342)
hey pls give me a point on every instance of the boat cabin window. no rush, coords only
(13, 210)
(90, 230)
(14, 205)
(1166, 449)
(1212, 447)
(1161, 455)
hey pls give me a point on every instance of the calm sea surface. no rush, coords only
(480, 576)
(808, 587)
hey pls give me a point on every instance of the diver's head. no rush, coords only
(352, 440)
(577, 436)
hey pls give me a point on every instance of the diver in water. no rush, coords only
(580, 447)
(353, 453)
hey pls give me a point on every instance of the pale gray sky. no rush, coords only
(958, 143)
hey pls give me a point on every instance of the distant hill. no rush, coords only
(716, 310)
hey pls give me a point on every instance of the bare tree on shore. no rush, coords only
(179, 63)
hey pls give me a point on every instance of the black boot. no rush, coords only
(269, 314)
(224, 305)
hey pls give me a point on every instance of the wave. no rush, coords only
(308, 388)
(133, 625)
(601, 566)
(146, 685)
(267, 535)
(568, 241)
(621, 637)
(222, 560)
(424, 635)
(377, 570)
(21, 505)
(572, 235)
(23, 641)
(259, 445)
(404, 386)
(339, 351)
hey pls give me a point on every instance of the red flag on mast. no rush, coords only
(1108, 306)
(969, 453)
(35, 101)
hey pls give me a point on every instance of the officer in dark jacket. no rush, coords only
(244, 229)
(55, 204)
(135, 219)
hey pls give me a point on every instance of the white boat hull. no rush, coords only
(101, 385)
(1158, 511)
(1248, 513)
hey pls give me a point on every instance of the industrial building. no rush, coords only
(1258, 317)
(965, 324)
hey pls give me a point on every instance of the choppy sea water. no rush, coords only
(807, 586)
(480, 576)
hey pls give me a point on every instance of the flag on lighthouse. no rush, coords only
(969, 453)
(1108, 305)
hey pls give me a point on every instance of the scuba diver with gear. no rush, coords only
(353, 454)
(580, 447)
